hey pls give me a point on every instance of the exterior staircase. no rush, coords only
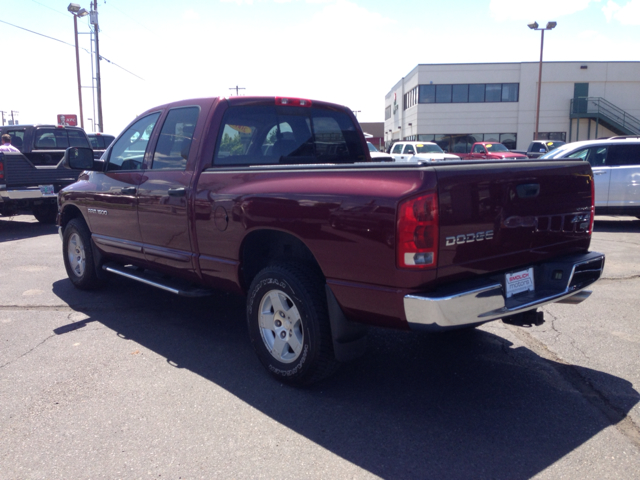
(605, 113)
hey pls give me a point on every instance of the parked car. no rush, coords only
(491, 151)
(420, 152)
(537, 148)
(377, 154)
(616, 169)
(100, 141)
(323, 241)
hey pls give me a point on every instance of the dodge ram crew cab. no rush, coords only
(277, 199)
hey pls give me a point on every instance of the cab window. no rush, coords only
(409, 150)
(263, 135)
(128, 151)
(397, 148)
(624, 155)
(478, 149)
(172, 149)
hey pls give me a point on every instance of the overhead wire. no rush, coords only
(71, 45)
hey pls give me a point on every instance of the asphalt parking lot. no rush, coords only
(132, 382)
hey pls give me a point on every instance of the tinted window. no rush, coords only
(172, 149)
(427, 94)
(397, 148)
(476, 93)
(624, 155)
(255, 135)
(443, 93)
(493, 92)
(478, 149)
(59, 139)
(509, 92)
(409, 150)
(17, 138)
(128, 151)
(460, 93)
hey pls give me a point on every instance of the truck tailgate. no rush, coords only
(20, 172)
(500, 216)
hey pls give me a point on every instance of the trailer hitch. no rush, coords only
(525, 319)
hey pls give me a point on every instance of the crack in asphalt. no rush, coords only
(617, 417)
(617, 279)
(28, 351)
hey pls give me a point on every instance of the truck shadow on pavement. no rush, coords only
(20, 227)
(466, 405)
(624, 224)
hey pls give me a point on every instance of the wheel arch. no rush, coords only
(68, 213)
(264, 247)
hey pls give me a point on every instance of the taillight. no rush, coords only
(293, 102)
(418, 232)
(1, 170)
(593, 205)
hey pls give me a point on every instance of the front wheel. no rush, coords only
(289, 324)
(78, 256)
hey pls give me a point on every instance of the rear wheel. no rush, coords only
(289, 324)
(78, 256)
(45, 212)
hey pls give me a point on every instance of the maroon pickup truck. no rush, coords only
(491, 151)
(278, 199)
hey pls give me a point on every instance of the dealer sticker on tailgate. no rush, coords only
(521, 281)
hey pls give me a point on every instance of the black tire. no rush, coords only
(78, 256)
(45, 212)
(294, 340)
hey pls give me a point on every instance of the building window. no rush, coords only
(465, 93)
(443, 93)
(427, 94)
(387, 113)
(552, 136)
(411, 98)
(476, 93)
(460, 93)
(493, 92)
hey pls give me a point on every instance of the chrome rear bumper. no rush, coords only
(561, 280)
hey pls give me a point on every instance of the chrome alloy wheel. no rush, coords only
(76, 255)
(281, 326)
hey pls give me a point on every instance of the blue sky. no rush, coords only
(350, 52)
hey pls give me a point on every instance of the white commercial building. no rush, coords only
(458, 104)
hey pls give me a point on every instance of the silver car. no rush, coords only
(616, 169)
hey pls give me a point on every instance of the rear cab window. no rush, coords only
(59, 139)
(268, 135)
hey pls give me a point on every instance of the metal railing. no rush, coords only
(597, 106)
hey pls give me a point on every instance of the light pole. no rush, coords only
(76, 11)
(534, 26)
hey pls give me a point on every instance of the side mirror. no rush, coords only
(81, 158)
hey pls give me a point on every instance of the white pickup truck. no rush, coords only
(420, 152)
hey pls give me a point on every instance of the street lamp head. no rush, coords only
(551, 25)
(82, 13)
(532, 26)
(73, 8)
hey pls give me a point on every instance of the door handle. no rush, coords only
(599, 172)
(128, 190)
(177, 192)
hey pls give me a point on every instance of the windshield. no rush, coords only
(428, 148)
(558, 152)
(553, 145)
(496, 147)
(372, 147)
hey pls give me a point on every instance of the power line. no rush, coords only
(71, 45)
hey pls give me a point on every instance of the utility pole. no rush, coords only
(237, 89)
(96, 28)
(2, 112)
(13, 122)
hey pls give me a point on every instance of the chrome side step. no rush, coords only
(170, 285)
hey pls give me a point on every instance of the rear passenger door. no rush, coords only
(623, 162)
(396, 152)
(163, 193)
(597, 157)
